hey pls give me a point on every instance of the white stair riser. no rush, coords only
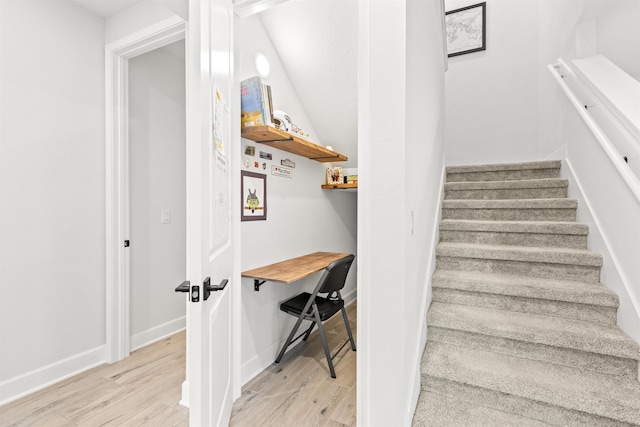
(581, 273)
(573, 241)
(570, 310)
(505, 194)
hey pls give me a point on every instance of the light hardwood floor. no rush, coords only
(299, 391)
(144, 390)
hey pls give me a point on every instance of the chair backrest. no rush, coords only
(335, 275)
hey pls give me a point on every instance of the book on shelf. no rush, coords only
(256, 105)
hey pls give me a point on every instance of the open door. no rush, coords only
(209, 244)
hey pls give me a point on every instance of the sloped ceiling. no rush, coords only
(317, 44)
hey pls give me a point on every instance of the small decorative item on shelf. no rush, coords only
(282, 121)
(350, 175)
(334, 175)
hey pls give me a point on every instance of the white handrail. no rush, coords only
(630, 179)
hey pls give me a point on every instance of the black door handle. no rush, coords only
(207, 288)
(184, 286)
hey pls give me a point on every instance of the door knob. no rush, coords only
(207, 288)
(184, 286)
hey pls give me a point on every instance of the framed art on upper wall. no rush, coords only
(466, 29)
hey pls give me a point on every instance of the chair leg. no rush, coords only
(288, 341)
(309, 331)
(324, 341)
(346, 323)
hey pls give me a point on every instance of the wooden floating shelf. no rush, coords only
(282, 140)
(339, 186)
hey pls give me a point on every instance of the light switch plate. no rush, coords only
(165, 217)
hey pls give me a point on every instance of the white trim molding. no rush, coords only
(117, 55)
(38, 379)
(158, 333)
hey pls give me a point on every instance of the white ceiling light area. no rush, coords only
(317, 44)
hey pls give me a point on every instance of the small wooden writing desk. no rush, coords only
(292, 269)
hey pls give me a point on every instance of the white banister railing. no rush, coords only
(611, 118)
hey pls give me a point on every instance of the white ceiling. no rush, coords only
(317, 44)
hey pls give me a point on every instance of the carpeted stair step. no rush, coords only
(570, 342)
(553, 263)
(550, 297)
(550, 393)
(511, 210)
(549, 188)
(448, 411)
(504, 172)
(519, 233)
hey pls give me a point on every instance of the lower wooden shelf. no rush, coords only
(339, 186)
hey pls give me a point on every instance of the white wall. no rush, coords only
(157, 141)
(605, 202)
(401, 144)
(141, 15)
(492, 95)
(52, 305)
(502, 104)
(301, 217)
(545, 31)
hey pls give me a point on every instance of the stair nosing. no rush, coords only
(521, 227)
(582, 292)
(555, 203)
(540, 330)
(551, 255)
(499, 167)
(521, 184)
(535, 380)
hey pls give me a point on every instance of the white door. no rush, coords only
(209, 243)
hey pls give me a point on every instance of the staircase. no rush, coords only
(520, 330)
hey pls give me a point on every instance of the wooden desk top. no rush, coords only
(296, 268)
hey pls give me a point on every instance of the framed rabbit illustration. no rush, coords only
(254, 196)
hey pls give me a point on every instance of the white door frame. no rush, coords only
(117, 55)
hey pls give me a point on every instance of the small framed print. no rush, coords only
(254, 196)
(335, 175)
(466, 29)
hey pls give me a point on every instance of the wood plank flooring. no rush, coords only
(144, 390)
(299, 391)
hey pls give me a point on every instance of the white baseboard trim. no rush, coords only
(261, 361)
(157, 333)
(30, 382)
(426, 298)
(560, 153)
(184, 401)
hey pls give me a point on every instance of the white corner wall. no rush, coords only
(52, 295)
(157, 147)
(606, 204)
(492, 95)
(400, 129)
(301, 217)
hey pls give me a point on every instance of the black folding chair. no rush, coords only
(317, 309)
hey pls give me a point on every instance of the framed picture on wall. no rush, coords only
(466, 29)
(254, 196)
